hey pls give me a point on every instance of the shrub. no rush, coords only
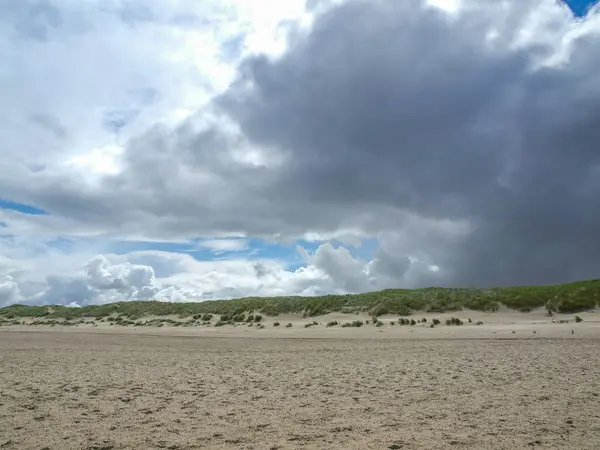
(379, 324)
(480, 323)
(207, 317)
(412, 322)
(354, 324)
(239, 318)
(454, 321)
(289, 325)
(276, 324)
(257, 318)
(424, 320)
(392, 323)
(250, 318)
(436, 322)
(332, 324)
(578, 319)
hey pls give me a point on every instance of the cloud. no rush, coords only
(219, 246)
(463, 140)
(9, 291)
(109, 277)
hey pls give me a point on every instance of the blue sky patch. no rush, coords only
(580, 7)
(22, 208)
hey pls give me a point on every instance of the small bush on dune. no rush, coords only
(276, 324)
(289, 325)
(412, 322)
(436, 322)
(355, 324)
(258, 318)
(578, 319)
(333, 323)
(250, 318)
(454, 321)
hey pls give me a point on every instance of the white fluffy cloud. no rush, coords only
(9, 291)
(171, 276)
(461, 136)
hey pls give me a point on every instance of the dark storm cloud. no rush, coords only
(394, 104)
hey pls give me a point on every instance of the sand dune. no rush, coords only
(108, 387)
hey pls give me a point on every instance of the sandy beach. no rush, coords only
(518, 381)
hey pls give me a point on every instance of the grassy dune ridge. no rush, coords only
(564, 298)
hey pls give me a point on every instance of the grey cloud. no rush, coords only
(341, 267)
(388, 265)
(50, 123)
(34, 19)
(394, 119)
(391, 103)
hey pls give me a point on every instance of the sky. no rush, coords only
(189, 151)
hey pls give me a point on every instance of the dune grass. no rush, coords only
(564, 298)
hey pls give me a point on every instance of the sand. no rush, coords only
(473, 387)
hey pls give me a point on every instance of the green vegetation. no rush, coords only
(454, 321)
(354, 324)
(565, 298)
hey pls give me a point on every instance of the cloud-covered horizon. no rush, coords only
(208, 150)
